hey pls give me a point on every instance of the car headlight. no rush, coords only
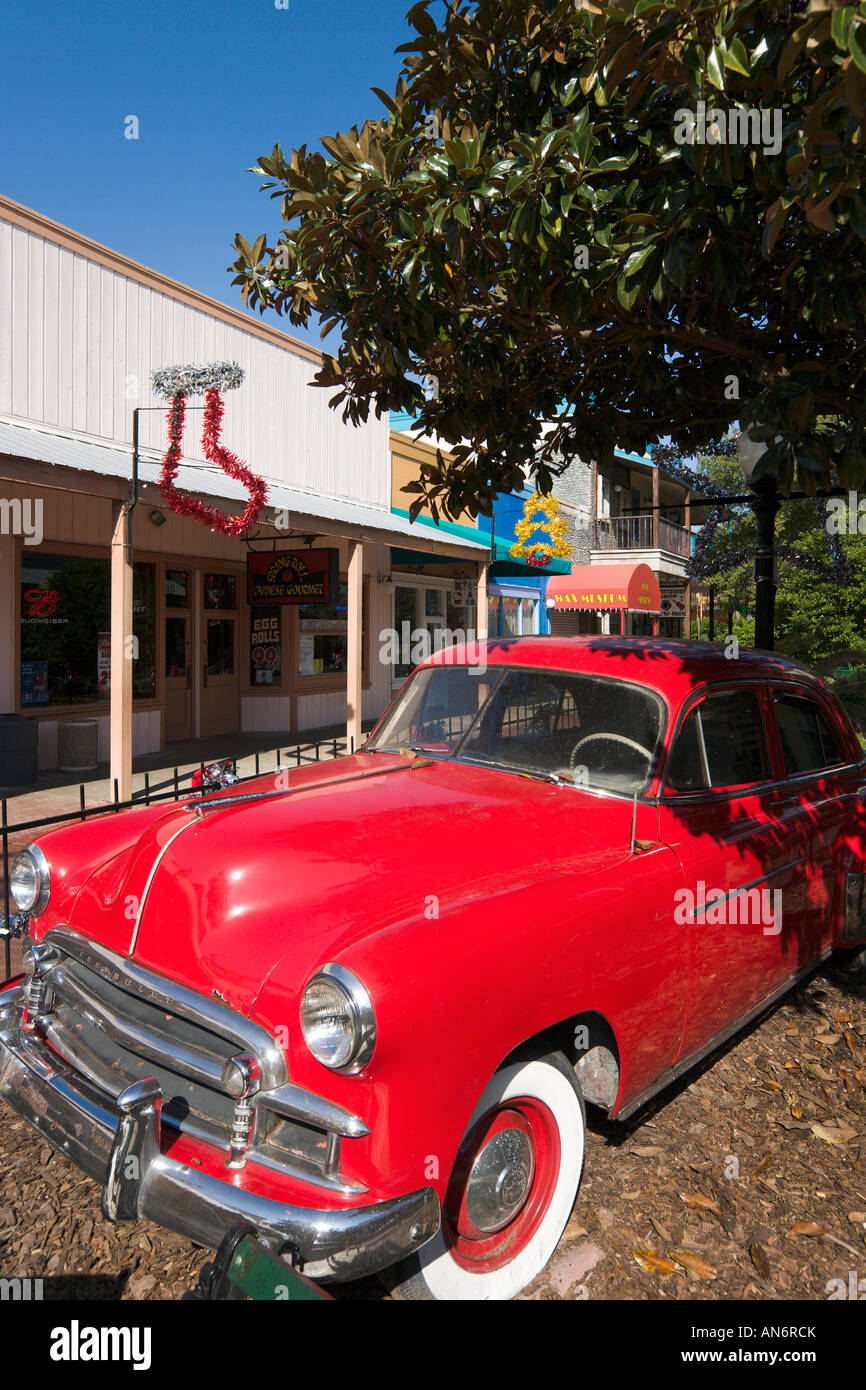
(337, 1019)
(30, 881)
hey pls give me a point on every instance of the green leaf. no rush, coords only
(715, 68)
(736, 57)
(856, 46)
(626, 296)
(637, 259)
(840, 23)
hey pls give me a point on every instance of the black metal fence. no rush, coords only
(179, 784)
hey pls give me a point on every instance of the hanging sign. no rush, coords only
(293, 576)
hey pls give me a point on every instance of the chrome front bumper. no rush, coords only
(117, 1143)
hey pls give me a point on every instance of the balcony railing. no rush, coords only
(636, 533)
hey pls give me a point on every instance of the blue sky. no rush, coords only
(214, 83)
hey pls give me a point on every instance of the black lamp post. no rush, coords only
(764, 502)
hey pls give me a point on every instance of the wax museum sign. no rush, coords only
(293, 576)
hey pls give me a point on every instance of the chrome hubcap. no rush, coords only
(500, 1180)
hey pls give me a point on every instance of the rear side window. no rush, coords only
(808, 742)
(721, 744)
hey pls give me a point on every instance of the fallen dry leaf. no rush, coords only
(806, 1228)
(694, 1264)
(702, 1203)
(651, 1263)
(761, 1260)
(833, 1134)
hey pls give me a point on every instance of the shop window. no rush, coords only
(175, 647)
(494, 616)
(528, 611)
(220, 646)
(323, 636)
(434, 603)
(265, 646)
(66, 630)
(220, 591)
(510, 616)
(176, 589)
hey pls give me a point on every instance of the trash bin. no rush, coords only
(19, 750)
(77, 745)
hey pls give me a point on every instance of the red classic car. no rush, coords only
(362, 1005)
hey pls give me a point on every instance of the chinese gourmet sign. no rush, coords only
(293, 576)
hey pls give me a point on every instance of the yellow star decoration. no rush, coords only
(558, 546)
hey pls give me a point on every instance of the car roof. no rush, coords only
(670, 665)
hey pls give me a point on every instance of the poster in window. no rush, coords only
(34, 682)
(103, 666)
(306, 654)
(265, 647)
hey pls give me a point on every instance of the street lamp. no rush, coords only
(764, 502)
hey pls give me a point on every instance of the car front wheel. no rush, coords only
(511, 1191)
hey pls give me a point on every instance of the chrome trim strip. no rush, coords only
(719, 1040)
(291, 1166)
(298, 1104)
(744, 887)
(153, 868)
(242, 798)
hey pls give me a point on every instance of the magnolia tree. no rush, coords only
(582, 225)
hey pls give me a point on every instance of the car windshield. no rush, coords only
(587, 730)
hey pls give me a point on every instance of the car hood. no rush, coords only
(217, 893)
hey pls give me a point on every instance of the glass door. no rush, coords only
(220, 693)
(178, 656)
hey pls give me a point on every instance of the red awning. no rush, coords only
(632, 588)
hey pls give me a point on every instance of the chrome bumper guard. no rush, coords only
(117, 1143)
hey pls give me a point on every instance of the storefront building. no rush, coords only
(618, 596)
(644, 517)
(276, 631)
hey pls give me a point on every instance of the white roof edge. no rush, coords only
(90, 455)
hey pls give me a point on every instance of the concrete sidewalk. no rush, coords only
(56, 793)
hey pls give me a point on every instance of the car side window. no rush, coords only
(808, 742)
(721, 744)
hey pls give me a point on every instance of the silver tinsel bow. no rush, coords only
(196, 379)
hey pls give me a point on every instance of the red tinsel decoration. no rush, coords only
(538, 560)
(186, 505)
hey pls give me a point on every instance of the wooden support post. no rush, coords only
(656, 493)
(483, 611)
(122, 652)
(355, 653)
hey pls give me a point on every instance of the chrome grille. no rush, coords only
(116, 1023)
